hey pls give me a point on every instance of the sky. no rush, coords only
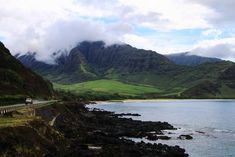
(203, 27)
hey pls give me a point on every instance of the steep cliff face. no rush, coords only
(122, 57)
(95, 60)
(16, 79)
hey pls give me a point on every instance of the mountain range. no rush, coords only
(88, 61)
(16, 79)
(186, 58)
(93, 60)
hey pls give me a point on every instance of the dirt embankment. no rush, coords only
(79, 132)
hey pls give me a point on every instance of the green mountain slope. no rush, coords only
(108, 86)
(90, 61)
(94, 60)
(221, 86)
(15, 79)
(189, 59)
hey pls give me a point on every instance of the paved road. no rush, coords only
(10, 108)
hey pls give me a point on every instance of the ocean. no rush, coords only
(211, 123)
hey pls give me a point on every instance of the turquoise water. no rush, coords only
(210, 122)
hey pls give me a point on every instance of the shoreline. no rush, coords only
(77, 131)
(157, 100)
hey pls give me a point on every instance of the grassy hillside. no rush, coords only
(17, 81)
(108, 87)
(204, 81)
(209, 90)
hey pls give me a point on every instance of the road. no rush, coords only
(10, 108)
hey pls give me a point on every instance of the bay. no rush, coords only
(210, 122)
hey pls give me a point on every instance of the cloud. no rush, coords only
(220, 48)
(163, 45)
(47, 26)
(212, 32)
(168, 14)
(224, 10)
(64, 34)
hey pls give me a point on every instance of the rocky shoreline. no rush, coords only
(78, 131)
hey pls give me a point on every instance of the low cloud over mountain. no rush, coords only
(47, 26)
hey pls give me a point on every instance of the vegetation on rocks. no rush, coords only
(77, 131)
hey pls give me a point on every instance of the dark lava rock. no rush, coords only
(201, 132)
(154, 137)
(128, 114)
(106, 130)
(164, 137)
(185, 137)
(80, 132)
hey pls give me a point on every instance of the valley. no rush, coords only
(103, 89)
(93, 61)
(117, 78)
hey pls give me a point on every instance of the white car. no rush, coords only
(28, 101)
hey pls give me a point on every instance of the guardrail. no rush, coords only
(11, 108)
(7, 109)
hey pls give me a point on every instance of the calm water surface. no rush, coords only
(211, 123)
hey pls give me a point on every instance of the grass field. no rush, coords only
(108, 86)
(18, 119)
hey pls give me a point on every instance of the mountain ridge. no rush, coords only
(90, 61)
(186, 58)
(16, 79)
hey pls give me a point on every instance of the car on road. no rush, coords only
(28, 101)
